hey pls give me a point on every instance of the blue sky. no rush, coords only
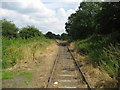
(46, 15)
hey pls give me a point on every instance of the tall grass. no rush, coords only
(15, 50)
(101, 51)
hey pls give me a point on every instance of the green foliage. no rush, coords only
(82, 24)
(110, 59)
(108, 18)
(30, 32)
(64, 36)
(94, 18)
(9, 29)
(13, 74)
(14, 50)
(7, 75)
(10, 54)
(95, 26)
(52, 35)
(101, 52)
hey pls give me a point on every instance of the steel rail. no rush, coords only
(83, 75)
(52, 71)
(77, 65)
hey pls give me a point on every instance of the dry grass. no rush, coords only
(97, 78)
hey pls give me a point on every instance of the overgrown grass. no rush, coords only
(7, 75)
(101, 51)
(15, 50)
(13, 74)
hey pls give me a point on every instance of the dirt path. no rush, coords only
(40, 67)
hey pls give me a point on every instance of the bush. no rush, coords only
(101, 51)
(9, 29)
(14, 50)
(30, 32)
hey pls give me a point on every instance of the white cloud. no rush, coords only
(35, 12)
(71, 1)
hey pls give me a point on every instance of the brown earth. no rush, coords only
(44, 70)
(41, 67)
(96, 77)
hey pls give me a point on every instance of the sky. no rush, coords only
(46, 15)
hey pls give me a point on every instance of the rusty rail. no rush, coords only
(83, 75)
(52, 72)
(77, 65)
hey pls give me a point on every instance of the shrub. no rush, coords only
(9, 29)
(30, 32)
(101, 51)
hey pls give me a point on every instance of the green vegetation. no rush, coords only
(51, 35)
(29, 40)
(7, 75)
(64, 36)
(15, 50)
(20, 46)
(95, 28)
(9, 29)
(100, 53)
(27, 75)
(12, 74)
(29, 32)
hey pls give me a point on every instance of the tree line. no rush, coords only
(101, 18)
(10, 30)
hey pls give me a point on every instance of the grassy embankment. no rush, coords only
(15, 50)
(101, 51)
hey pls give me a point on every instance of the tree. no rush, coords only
(9, 29)
(94, 18)
(58, 36)
(64, 36)
(50, 35)
(82, 24)
(109, 18)
(29, 32)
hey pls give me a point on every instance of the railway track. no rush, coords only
(66, 72)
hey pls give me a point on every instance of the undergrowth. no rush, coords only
(101, 51)
(15, 50)
(13, 74)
